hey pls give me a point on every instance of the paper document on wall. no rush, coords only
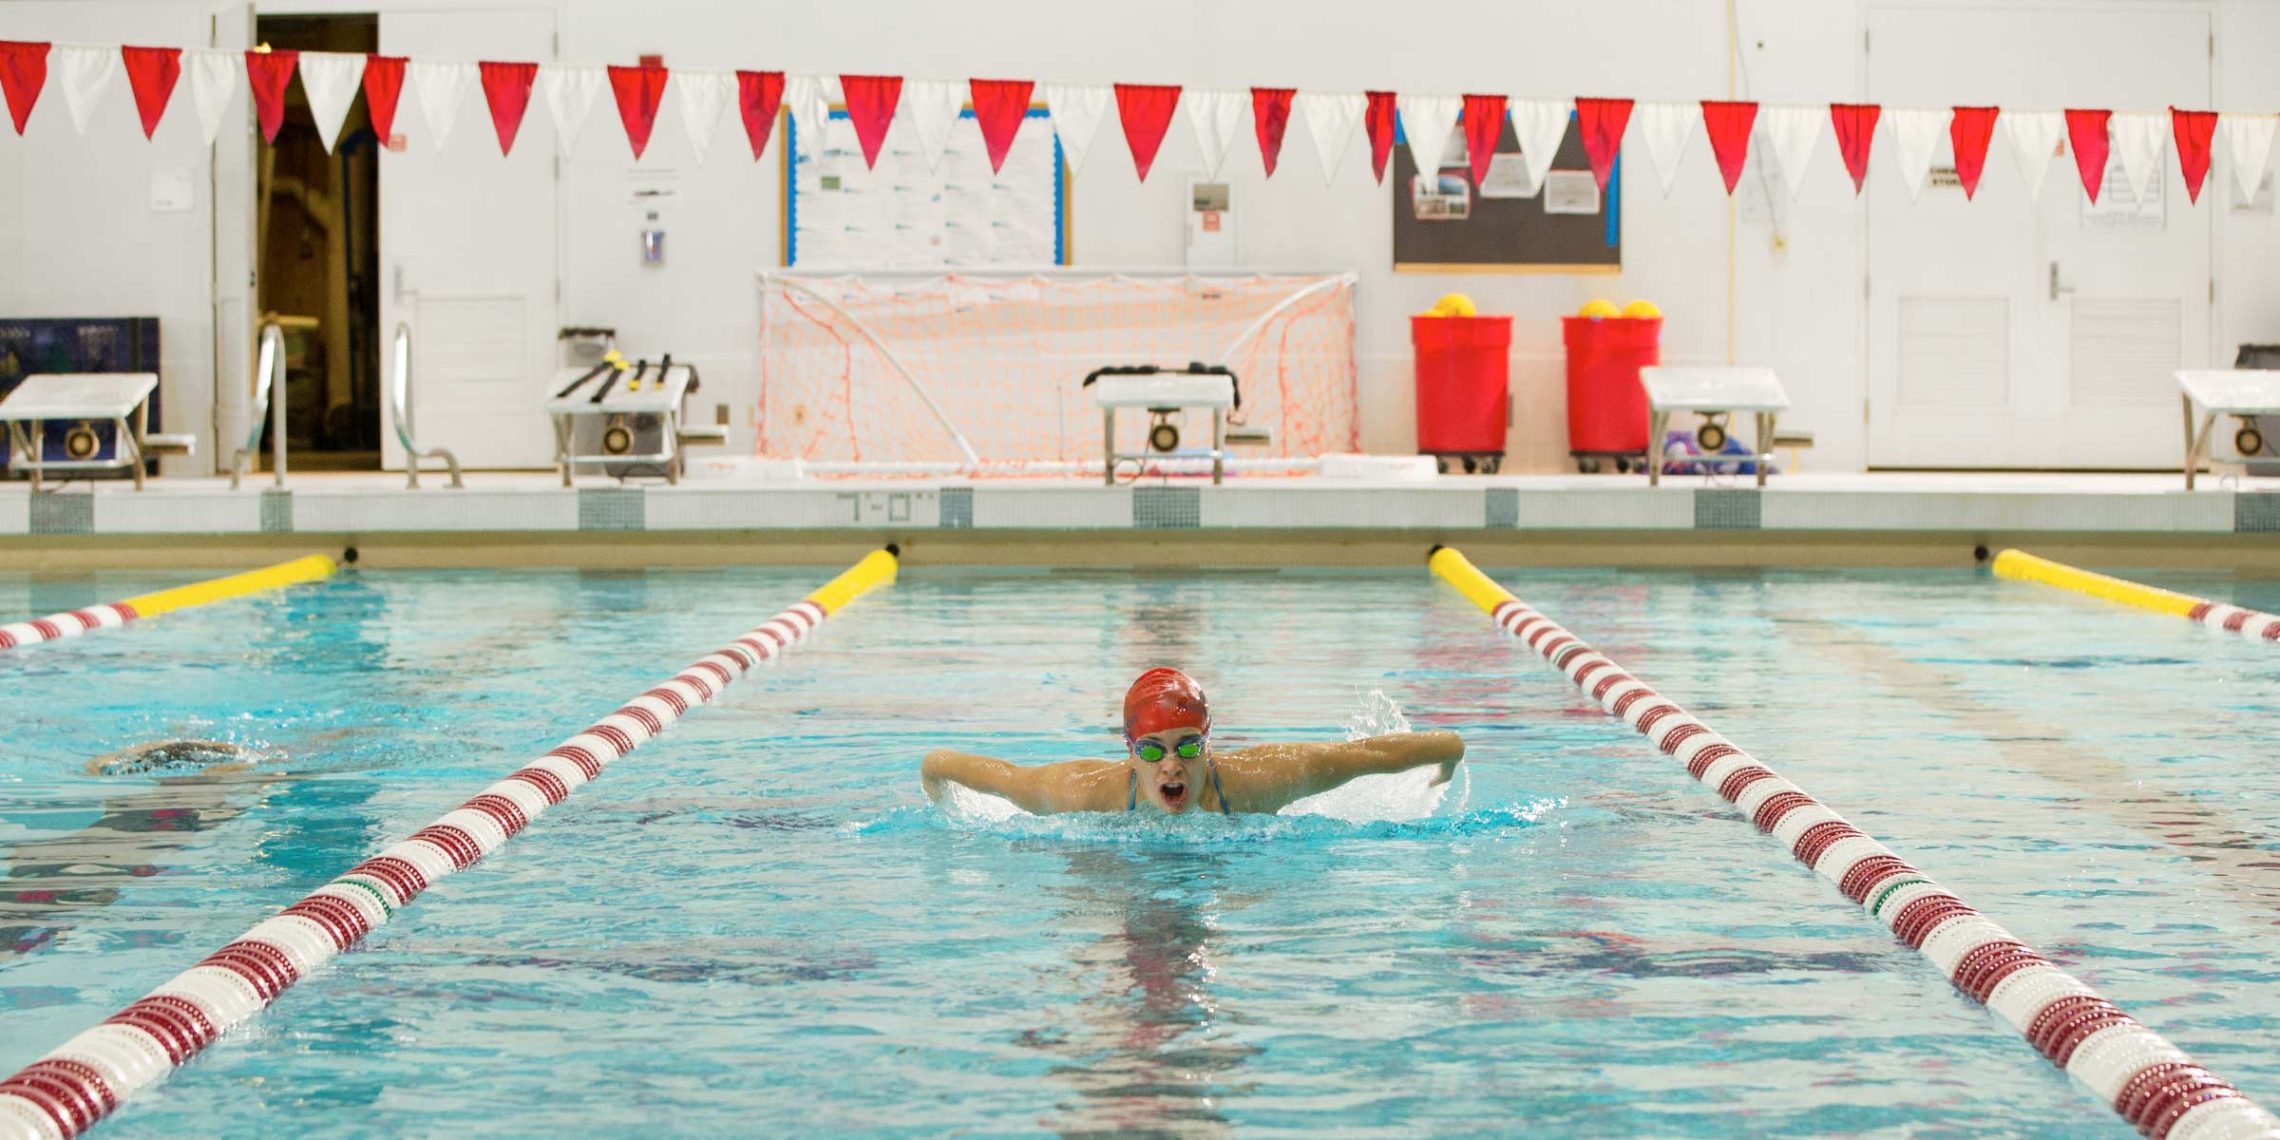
(1571, 192)
(1507, 177)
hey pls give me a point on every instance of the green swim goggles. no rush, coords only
(1150, 751)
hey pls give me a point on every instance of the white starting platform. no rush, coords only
(2217, 392)
(121, 399)
(1163, 392)
(635, 417)
(1715, 393)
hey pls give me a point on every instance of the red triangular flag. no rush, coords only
(1000, 105)
(152, 72)
(267, 73)
(23, 71)
(2193, 129)
(506, 88)
(1270, 117)
(871, 103)
(1969, 132)
(1382, 121)
(1145, 109)
(1856, 130)
(383, 86)
(2086, 132)
(758, 95)
(1602, 122)
(1484, 124)
(1729, 126)
(638, 91)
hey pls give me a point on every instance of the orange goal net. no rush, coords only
(981, 372)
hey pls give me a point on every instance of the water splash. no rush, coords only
(1396, 796)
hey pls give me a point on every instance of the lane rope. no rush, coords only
(2021, 566)
(64, 1093)
(2151, 1083)
(56, 627)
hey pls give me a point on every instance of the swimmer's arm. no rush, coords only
(1031, 789)
(1278, 774)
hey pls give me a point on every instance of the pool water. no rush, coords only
(754, 924)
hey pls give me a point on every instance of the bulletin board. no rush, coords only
(900, 214)
(1453, 227)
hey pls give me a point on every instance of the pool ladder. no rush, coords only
(269, 408)
(400, 407)
(268, 377)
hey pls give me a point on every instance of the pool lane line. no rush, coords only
(65, 1092)
(2021, 566)
(55, 627)
(2150, 1082)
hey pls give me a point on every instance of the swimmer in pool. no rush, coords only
(1169, 764)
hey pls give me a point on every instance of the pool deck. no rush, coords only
(529, 518)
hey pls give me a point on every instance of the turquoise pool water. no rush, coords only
(752, 924)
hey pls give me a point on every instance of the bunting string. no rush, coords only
(2137, 142)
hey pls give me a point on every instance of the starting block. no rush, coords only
(1164, 392)
(1716, 393)
(2242, 392)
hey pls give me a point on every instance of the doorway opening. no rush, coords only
(317, 255)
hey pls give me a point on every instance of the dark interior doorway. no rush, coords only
(318, 252)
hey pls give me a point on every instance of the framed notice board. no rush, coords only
(1448, 224)
(841, 213)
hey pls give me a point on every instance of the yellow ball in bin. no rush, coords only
(1454, 305)
(1599, 307)
(1641, 309)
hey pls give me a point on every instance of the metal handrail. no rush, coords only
(268, 370)
(400, 406)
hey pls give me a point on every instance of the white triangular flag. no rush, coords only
(441, 87)
(702, 96)
(1539, 124)
(330, 80)
(2248, 146)
(1666, 128)
(1426, 121)
(1794, 132)
(1216, 116)
(1330, 121)
(213, 82)
(931, 106)
(1917, 133)
(570, 93)
(2034, 142)
(808, 98)
(83, 72)
(2139, 137)
(1076, 112)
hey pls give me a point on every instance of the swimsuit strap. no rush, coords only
(1132, 791)
(1224, 809)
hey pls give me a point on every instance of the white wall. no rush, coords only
(78, 236)
(79, 239)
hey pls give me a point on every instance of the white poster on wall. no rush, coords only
(2117, 208)
(1571, 192)
(908, 213)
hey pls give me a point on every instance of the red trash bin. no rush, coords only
(1464, 397)
(1606, 404)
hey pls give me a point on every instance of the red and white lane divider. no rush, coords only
(56, 627)
(2232, 618)
(64, 1093)
(2153, 1084)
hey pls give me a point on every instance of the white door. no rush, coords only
(467, 242)
(2005, 332)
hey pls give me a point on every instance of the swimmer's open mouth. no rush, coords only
(1173, 792)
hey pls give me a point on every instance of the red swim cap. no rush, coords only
(1161, 699)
